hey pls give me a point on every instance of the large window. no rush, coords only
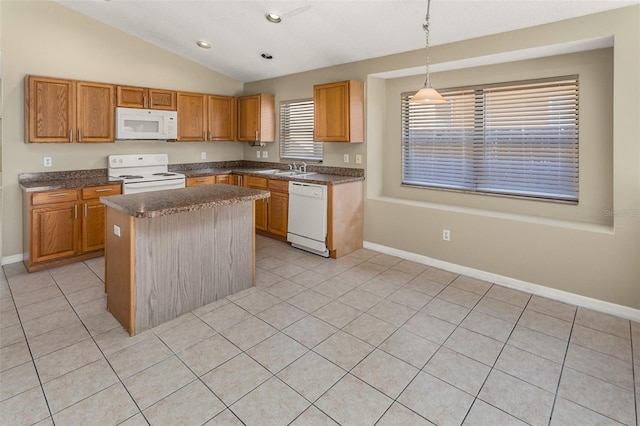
(518, 139)
(296, 131)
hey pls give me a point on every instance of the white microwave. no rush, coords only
(136, 124)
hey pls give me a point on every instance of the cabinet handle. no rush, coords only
(200, 180)
(85, 210)
(75, 211)
(71, 135)
(79, 135)
(104, 190)
(59, 194)
(209, 135)
(144, 101)
(256, 136)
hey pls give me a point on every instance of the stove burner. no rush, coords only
(164, 174)
(130, 176)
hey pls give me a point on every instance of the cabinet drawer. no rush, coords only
(255, 182)
(100, 191)
(201, 180)
(50, 197)
(279, 185)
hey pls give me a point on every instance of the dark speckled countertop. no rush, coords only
(172, 201)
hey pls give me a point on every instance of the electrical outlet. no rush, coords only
(47, 162)
(446, 235)
(257, 154)
(116, 230)
(358, 158)
(203, 155)
(265, 154)
(346, 158)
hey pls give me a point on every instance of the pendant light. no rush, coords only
(427, 95)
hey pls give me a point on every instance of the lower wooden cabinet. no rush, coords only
(200, 180)
(278, 209)
(64, 226)
(261, 206)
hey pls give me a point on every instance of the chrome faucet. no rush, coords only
(303, 167)
(293, 166)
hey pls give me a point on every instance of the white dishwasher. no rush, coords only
(307, 227)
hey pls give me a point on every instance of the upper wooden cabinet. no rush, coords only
(221, 118)
(59, 111)
(339, 111)
(192, 116)
(256, 118)
(142, 97)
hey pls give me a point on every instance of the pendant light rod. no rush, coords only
(425, 27)
(427, 95)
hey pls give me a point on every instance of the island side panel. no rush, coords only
(119, 273)
(187, 260)
(345, 218)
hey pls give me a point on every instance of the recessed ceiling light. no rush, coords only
(203, 44)
(266, 56)
(273, 17)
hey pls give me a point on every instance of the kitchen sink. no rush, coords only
(268, 171)
(294, 173)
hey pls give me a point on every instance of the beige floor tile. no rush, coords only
(409, 347)
(392, 312)
(313, 417)
(604, 322)
(57, 339)
(308, 278)
(277, 352)
(50, 322)
(243, 293)
(86, 295)
(473, 285)
(363, 254)
(288, 270)
(101, 323)
(17, 380)
(538, 343)
(135, 358)
(458, 370)
(509, 295)
(488, 325)
(265, 278)
(602, 342)
(208, 354)
(249, 332)
(351, 276)
(273, 402)
(24, 409)
(11, 335)
(79, 384)
(27, 282)
(351, 401)
(185, 335)
(425, 285)
(446, 311)
(370, 329)
(439, 275)
(411, 267)
(553, 308)
(310, 331)
(36, 310)
(333, 288)
(210, 307)
(9, 318)
(91, 308)
(65, 360)
(269, 263)
(384, 372)
(604, 398)
(385, 259)
(546, 324)
(399, 415)
(337, 314)
(281, 315)
(330, 268)
(193, 404)
(309, 300)
(475, 345)
(518, 398)
(344, 350)
(285, 289)
(431, 328)
(437, 401)
(499, 309)
(225, 317)
(40, 295)
(226, 418)
(135, 420)
(235, 378)
(460, 297)
(257, 302)
(529, 367)
(369, 268)
(311, 375)
(48, 421)
(483, 414)
(410, 298)
(567, 413)
(117, 339)
(599, 365)
(379, 287)
(396, 276)
(111, 406)
(158, 381)
(360, 299)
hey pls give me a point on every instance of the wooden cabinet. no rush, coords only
(229, 179)
(192, 116)
(200, 180)
(256, 118)
(142, 97)
(64, 226)
(345, 218)
(261, 207)
(339, 112)
(67, 111)
(221, 118)
(278, 211)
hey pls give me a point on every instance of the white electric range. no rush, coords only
(144, 173)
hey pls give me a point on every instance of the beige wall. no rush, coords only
(582, 249)
(45, 38)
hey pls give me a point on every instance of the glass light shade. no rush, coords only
(427, 95)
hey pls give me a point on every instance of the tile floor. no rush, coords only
(366, 339)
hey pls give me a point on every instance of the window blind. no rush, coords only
(296, 131)
(516, 139)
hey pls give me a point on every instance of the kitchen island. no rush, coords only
(169, 252)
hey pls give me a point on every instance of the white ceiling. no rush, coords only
(315, 34)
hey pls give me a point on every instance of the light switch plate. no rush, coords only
(203, 155)
(346, 158)
(116, 230)
(257, 154)
(358, 158)
(265, 154)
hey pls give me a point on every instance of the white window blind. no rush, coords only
(296, 131)
(517, 139)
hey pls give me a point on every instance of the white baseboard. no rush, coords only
(7, 260)
(539, 290)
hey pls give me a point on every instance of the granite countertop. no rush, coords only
(172, 201)
(313, 177)
(51, 181)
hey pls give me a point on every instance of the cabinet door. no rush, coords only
(162, 99)
(248, 116)
(192, 123)
(201, 180)
(131, 97)
(50, 109)
(93, 220)
(224, 179)
(278, 213)
(331, 103)
(261, 205)
(95, 112)
(54, 232)
(222, 118)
